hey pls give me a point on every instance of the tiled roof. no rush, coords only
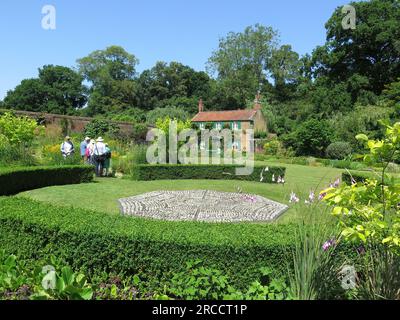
(232, 115)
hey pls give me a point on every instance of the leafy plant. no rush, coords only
(368, 213)
(17, 130)
(338, 150)
(64, 284)
(198, 282)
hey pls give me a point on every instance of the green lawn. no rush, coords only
(102, 195)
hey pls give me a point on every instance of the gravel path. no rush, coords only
(202, 205)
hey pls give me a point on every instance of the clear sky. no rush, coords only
(170, 30)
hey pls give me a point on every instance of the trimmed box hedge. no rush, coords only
(15, 180)
(97, 242)
(357, 176)
(215, 172)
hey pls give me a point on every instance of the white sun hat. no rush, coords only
(99, 139)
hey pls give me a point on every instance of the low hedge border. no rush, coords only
(363, 176)
(15, 180)
(215, 172)
(98, 242)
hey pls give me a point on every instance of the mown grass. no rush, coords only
(102, 195)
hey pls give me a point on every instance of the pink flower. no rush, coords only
(322, 195)
(328, 244)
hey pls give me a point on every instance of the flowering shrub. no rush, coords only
(368, 211)
(16, 130)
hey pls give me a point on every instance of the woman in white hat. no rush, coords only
(99, 156)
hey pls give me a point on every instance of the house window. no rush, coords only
(235, 126)
(202, 126)
(218, 126)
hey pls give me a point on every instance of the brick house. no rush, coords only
(240, 119)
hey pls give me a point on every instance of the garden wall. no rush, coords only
(72, 123)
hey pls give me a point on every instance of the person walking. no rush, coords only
(84, 145)
(67, 147)
(107, 162)
(99, 156)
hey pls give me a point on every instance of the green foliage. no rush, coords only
(380, 274)
(375, 40)
(242, 60)
(58, 89)
(16, 155)
(15, 180)
(19, 282)
(164, 123)
(273, 147)
(203, 283)
(62, 285)
(314, 265)
(338, 150)
(198, 282)
(154, 250)
(368, 210)
(16, 130)
(12, 276)
(349, 177)
(172, 84)
(111, 73)
(311, 138)
(101, 127)
(219, 172)
(167, 112)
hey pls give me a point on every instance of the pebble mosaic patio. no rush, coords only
(202, 205)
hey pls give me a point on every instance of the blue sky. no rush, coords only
(153, 30)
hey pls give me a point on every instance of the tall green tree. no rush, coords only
(58, 89)
(285, 70)
(172, 84)
(111, 73)
(242, 61)
(371, 51)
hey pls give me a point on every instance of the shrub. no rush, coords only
(272, 147)
(219, 172)
(348, 176)
(167, 112)
(338, 150)
(97, 242)
(16, 155)
(311, 138)
(14, 180)
(17, 130)
(100, 127)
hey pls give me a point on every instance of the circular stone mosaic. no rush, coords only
(202, 205)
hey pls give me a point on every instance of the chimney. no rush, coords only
(201, 105)
(257, 102)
